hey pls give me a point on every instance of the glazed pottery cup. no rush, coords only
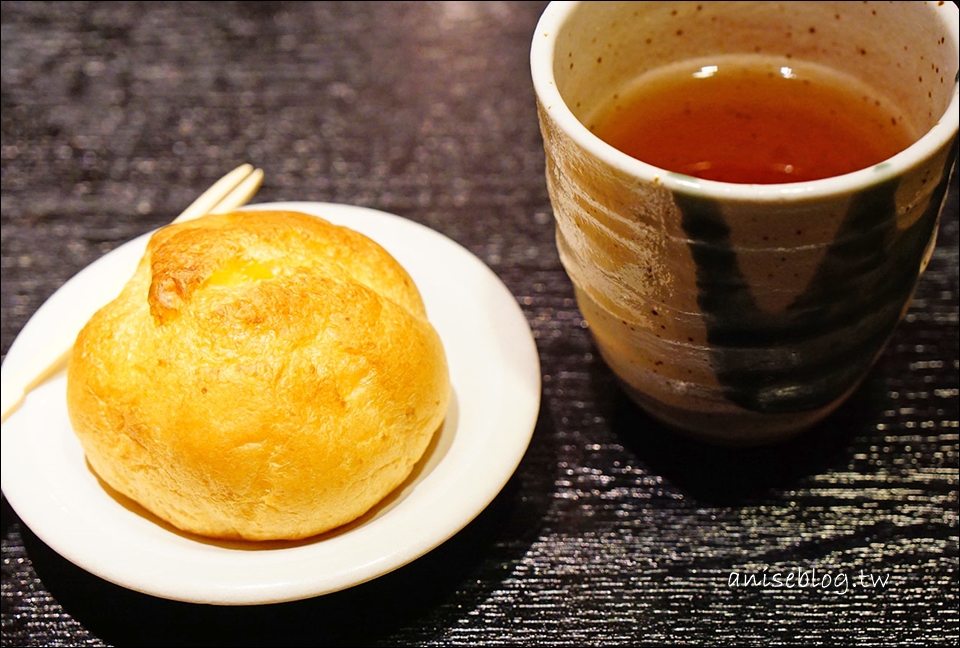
(743, 312)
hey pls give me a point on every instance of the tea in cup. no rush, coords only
(745, 193)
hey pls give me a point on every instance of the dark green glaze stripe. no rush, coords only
(803, 358)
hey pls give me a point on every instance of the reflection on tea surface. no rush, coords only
(753, 119)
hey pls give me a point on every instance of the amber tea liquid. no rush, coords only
(753, 119)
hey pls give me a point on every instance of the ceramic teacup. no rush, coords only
(744, 312)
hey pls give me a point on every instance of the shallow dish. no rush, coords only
(495, 373)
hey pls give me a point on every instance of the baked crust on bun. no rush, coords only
(264, 375)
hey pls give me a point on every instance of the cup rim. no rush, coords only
(542, 49)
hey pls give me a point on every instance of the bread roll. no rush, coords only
(264, 375)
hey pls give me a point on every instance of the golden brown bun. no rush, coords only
(264, 375)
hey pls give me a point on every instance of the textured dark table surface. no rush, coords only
(612, 531)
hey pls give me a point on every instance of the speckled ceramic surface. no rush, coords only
(744, 312)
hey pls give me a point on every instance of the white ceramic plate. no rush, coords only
(495, 374)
